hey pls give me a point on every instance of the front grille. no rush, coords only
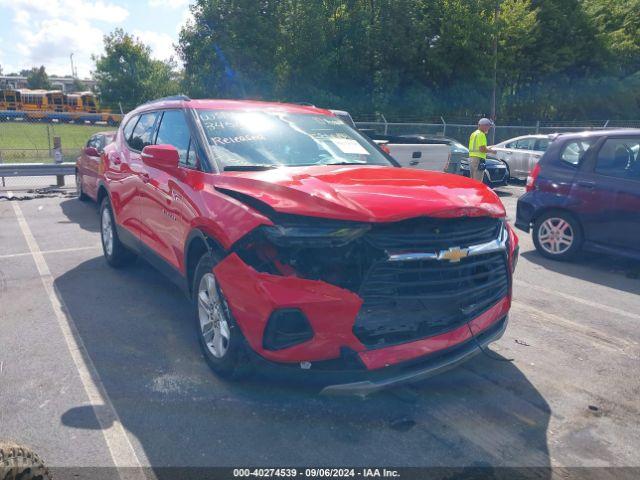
(433, 234)
(409, 300)
(497, 175)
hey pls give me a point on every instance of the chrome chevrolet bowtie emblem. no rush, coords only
(454, 254)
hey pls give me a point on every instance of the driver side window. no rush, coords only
(174, 130)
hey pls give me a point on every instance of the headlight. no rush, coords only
(314, 235)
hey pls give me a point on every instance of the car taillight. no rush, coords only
(533, 176)
(384, 148)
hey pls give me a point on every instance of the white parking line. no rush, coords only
(48, 252)
(118, 443)
(583, 301)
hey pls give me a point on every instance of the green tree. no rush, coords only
(560, 59)
(127, 74)
(228, 50)
(37, 78)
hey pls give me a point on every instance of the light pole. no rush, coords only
(73, 72)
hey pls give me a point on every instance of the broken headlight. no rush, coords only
(312, 234)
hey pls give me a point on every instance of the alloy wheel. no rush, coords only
(107, 231)
(212, 312)
(555, 235)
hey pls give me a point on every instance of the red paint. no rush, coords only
(366, 194)
(253, 296)
(161, 204)
(88, 167)
(331, 311)
(383, 357)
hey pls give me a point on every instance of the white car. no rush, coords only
(521, 154)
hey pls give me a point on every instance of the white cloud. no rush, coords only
(47, 32)
(161, 43)
(174, 4)
(187, 16)
(76, 9)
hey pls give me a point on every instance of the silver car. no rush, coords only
(521, 154)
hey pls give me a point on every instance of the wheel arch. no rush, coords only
(198, 243)
(562, 210)
(102, 193)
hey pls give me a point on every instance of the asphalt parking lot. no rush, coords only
(100, 367)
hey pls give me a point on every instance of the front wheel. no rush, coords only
(221, 340)
(116, 254)
(557, 235)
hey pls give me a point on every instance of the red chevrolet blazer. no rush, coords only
(303, 246)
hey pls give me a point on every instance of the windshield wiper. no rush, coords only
(248, 168)
(345, 163)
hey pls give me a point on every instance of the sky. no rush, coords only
(46, 32)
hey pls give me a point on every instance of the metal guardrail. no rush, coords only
(37, 169)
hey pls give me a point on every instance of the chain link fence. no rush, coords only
(461, 131)
(25, 141)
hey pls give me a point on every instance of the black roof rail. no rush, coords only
(184, 98)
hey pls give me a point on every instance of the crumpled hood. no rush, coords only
(365, 194)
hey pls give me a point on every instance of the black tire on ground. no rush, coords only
(234, 364)
(508, 171)
(21, 463)
(574, 226)
(119, 255)
(81, 195)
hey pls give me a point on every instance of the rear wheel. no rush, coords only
(116, 254)
(81, 195)
(222, 342)
(557, 235)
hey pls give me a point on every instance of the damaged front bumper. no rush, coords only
(333, 354)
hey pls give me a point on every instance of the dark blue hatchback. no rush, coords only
(585, 193)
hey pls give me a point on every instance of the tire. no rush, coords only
(21, 463)
(228, 358)
(81, 195)
(557, 235)
(116, 254)
(508, 171)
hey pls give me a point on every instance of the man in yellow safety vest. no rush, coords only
(478, 149)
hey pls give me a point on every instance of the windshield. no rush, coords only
(273, 139)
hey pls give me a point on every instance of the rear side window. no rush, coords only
(174, 131)
(128, 128)
(525, 143)
(573, 152)
(144, 131)
(618, 157)
(541, 145)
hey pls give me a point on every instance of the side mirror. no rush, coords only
(91, 152)
(162, 157)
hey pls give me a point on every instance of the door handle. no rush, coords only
(585, 184)
(414, 162)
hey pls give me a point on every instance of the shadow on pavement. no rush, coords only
(84, 214)
(503, 193)
(615, 272)
(138, 330)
